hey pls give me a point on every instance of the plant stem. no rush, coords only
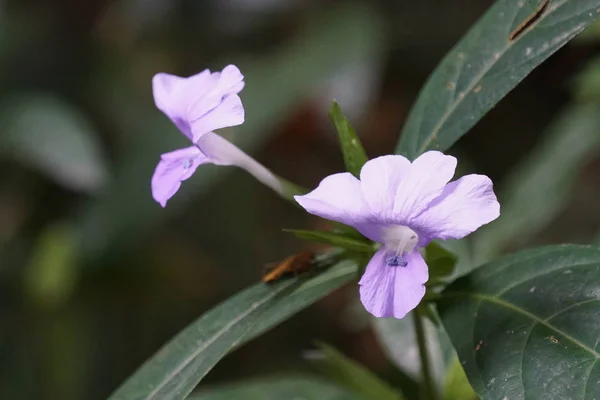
(428, 389)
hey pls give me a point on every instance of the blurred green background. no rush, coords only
(95, 276)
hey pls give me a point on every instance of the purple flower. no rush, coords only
(403, 206)
(198, 105)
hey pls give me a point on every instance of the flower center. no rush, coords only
(398, 240)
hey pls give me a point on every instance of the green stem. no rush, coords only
(428, 389)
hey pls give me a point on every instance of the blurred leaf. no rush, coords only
(51, 275)
(586, 84)
(539, 188)
(463, 251)
(428, 312)
(486, 65)
(456, 384)
(344, 35)
(284, 388)
(526, 325)
(398, 341)
(352, 375)
(176, 369)
(55, 138)
(348, 242)
(338, 227)
(441, 262)
(354, 153)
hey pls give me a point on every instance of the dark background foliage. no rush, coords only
(95, 277)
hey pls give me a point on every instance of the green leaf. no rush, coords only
(352, 375)
(176, 369)
(591, 34)
(544, 179)
(55, 138)
(297, 388)
(429, 312)
(456, 384)
(441, 262)
(348, 242)
(485, 65)
(346, 230)
(306, 293)
(526, 325)
(354, 153)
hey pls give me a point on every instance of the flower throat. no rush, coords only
(398, 240)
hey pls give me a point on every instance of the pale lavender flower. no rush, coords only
(403, 206)
(198, 105)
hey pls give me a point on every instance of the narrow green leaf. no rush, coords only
(544, 179)
(338, 227)
(173, 372)
(307, 292)
(485, 65)
(456, 384)
(281, 388)
(348, 242)
(352, 375)
(526, 325)
(176, 369)
(354, 153)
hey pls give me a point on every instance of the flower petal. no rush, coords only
(188, 100)
(230, 112)
(464, 205)
(397, 190)
(172, 95)
(377, 286)
(410, 284)
(429, 174)
(388, 291)
(380, 178)
(339, 198)
(173, 168)
(220, 105)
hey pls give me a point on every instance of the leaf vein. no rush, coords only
(523, 355)
(533, 317)
(556, 314)
(588, 378)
